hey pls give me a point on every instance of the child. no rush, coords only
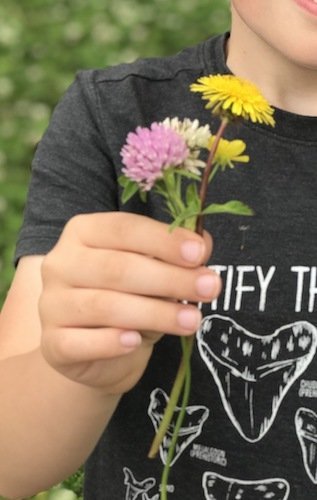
(82, 342)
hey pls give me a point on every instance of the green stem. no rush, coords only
(187, 345)
(213, 173)
(173, 400)
(181, 373)
(183, 377)
(169, 410)
(172, 187)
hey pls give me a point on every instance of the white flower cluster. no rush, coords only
(196, 138)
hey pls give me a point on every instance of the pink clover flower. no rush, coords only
(149, 151)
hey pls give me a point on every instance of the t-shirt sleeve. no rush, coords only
(72, 171)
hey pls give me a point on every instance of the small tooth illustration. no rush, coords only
(192, 425)
(137, 489)
(306, 430)
(217, 487)
(254, 373)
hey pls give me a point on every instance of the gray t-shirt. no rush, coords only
(250, 431)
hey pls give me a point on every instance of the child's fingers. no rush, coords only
(77, 345)
(139, 274)
(139, 234)
(86, 308)
(110, 280)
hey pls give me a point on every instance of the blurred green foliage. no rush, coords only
(44, 42)
(42, 45)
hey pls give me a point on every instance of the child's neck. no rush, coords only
(286, 85)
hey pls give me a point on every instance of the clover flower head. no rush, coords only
(149, 151)
(233, 97)
(196, 138)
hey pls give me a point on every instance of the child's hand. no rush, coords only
(112, 287)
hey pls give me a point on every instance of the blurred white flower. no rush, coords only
(74, 31)
(6, 87)
(105, 32)
(9, 32)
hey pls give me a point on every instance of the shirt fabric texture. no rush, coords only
(250, 431)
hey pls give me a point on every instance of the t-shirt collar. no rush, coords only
(290, 125)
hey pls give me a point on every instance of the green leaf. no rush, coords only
(62, 494)
(169, 179)
(230, 207)
(143, 196)
(160, 188)
(129, 190)
(192, 197)
(123, 180)
(171, 209)
(188, 213)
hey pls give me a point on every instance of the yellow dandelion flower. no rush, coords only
(233, 97)
(229, 152)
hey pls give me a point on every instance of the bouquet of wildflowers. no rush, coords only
(159, 158)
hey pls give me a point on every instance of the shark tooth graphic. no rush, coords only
(191, 428)
(254, 373)
(217, 487)
(306, 430)
(137, 489)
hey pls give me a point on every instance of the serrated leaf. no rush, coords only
(230, 207)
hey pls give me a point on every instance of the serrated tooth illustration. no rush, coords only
(192, 425)
(137, 489)
(254, 373)
(218, 487)
(306, 430)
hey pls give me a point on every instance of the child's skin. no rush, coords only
(274, 44)
(66, 357)
(68, 364)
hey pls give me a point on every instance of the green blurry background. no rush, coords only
(44, 42)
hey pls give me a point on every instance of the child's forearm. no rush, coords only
(48, 424)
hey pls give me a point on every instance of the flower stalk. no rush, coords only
(187, 346)
(173, 399)
(158, 158)
(183, 367)
(208, 171)
(182, 382)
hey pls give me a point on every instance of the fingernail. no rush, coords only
(205, 285)
(192, 251)
(189, 319)
(130, 339)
